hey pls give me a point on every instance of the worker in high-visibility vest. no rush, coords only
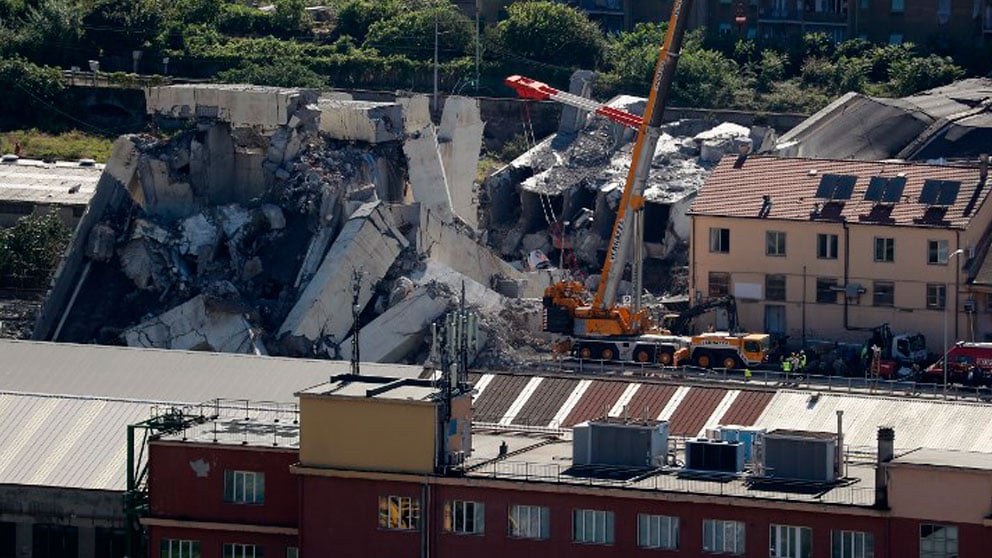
(747, 374)
(787, 365)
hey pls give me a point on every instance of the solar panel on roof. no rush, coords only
(876, 186)
(836, 186)
(893, 190)
(883, 189)
(940, 192)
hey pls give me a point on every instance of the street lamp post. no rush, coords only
(946, 310)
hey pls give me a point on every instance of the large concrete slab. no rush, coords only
(201, 324)
(397, 332)
(460, 141)
(425, 170)
(361, 120)
(368, 242)
(240, 105)
(450, 245)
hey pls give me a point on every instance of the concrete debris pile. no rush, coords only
(262, 224)
(556, 204)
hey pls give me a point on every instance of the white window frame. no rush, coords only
(592, 526)
(947, 541)
(238, 550)
(717, 246)
(936, 296)
(775, 244)
(721, 536)
(529, 522)
(244, 487)
(179, 548)
(826, 246)
(789, 541)
(465, 517)
(399, 513)
(657, 531)
(937, 252)
(852, 544)
(885, 249)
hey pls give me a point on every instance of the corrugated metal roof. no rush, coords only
(165, 375)
(691, 414)
(596, 402)
(746, 408)
(934, 424)
(792, 185)
(64, 441)
(547, 399)
(37, 182)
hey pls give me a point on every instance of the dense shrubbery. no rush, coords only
(30, 250)
(390, 44)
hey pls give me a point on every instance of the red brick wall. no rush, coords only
(176, 492)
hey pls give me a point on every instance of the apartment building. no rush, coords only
(818, 248)
(369, 481)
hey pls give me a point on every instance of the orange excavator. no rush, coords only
(601, 327)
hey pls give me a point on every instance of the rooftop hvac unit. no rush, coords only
(748, 437)
(619, 443)
(714, 455)
(800, 455)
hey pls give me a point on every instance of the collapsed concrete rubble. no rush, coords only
(555, 205)
(244, 230)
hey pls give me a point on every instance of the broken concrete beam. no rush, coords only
(426, 172)
(573, 119)
(157, 194)
(201, 324)
(266, 108)
(361, 120)
(369, 243)
(447, 244)
(721, 140)
(477, 295)
(402, 328)
(111, 195)
(459, 141)
(100, 245)
(249, 175)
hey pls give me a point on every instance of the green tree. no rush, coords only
(551, 33)
(705, 78)
(918, 74)
(291, 18)
(355, 17)
(28, 85)
(124, 25)
(48, 32)
(30, 250)
(242, 21)
(633, 55)
(285, 73)
(771, 69)
(411, 33)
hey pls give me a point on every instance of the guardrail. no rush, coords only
(849, 492)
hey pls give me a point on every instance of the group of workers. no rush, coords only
(794, 363)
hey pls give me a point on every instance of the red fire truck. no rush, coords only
(967, 363)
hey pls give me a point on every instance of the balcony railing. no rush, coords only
(772, 14)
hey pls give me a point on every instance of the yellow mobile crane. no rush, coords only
(601, 328)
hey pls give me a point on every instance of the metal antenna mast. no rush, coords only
(356, 309)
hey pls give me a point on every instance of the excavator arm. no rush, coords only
(679, 324)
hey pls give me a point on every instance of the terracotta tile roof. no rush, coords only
(792, 186)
